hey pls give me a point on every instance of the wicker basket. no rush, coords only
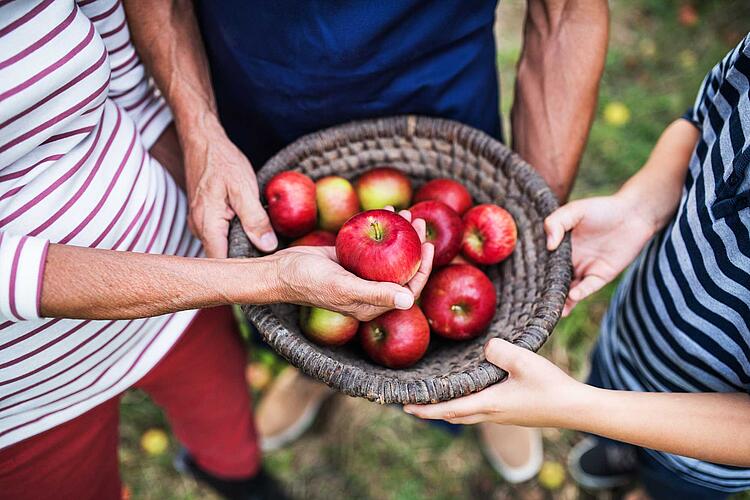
(531, 284)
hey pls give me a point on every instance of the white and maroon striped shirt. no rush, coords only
(77, 115)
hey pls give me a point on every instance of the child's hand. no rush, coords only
(607, 234)
(536, 393)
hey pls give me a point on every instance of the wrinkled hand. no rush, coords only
(535, 393)
(312, 276)
(221, 183)
(607, 235)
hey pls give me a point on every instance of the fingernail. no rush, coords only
(403, 300)
(408, 410)
(268, 241)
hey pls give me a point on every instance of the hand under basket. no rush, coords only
(531, 285)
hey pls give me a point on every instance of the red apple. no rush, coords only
(337, 201)
(489, 234)
(291, 203)
(379, 245)
(327, 327)
(459, 302)
(317, 238)
(450, 192)
(444, 229)
(396, 339)
(383, 186)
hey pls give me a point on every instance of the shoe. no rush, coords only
(289, 408)
(602, 465)
(259, 487)
(516, 453)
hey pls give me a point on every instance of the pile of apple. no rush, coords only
(458, 302)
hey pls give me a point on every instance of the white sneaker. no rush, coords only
(516, 453)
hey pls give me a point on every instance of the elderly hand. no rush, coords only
(535, 393)
(312, 276)
(221, 183)
(607, 234)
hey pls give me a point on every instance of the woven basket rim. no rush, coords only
(355, 381)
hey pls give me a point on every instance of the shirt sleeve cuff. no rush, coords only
(22, 262)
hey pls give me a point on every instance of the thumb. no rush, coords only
(254, 221)
(389, 295)
(561, 220)
(505, 355)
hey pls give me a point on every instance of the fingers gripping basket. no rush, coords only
(531, 285)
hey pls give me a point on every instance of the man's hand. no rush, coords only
(221, 183)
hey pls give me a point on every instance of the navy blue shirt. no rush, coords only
(285, 68)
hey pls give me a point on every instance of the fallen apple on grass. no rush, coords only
(396, 339)
(489, 234)
(291, 203)
(443, 229)
(384, 186)
(318, 238)
(337, 202)
(459, 302)
(448, 191)
(327, 327)
(379, 245)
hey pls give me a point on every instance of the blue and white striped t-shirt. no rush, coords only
(680, 319)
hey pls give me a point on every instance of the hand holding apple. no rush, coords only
(379, 245)
(311, 276)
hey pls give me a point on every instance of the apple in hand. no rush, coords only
(379, 245)
(444, 229)
(317, 238)
(459, 302)
(396, 339)
(450, 192)
(326, 327)
(337, 201)
(489, 234)
(291, 203)
(383, 186)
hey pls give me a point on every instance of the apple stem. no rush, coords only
(378, 334)
(377, 231)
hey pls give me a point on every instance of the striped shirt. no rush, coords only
(680, 319)
(77, 116)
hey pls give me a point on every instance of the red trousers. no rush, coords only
(201, 386)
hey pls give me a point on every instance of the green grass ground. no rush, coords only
(658, 56)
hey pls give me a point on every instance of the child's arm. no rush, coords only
(708, 426)
(608, 232)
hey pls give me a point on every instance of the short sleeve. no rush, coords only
(22, 262)
(130, 86)
(711, 84)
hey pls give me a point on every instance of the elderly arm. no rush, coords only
(564, 48)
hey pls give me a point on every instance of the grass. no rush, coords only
(357, 449)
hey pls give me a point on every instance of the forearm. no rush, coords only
(707, 426)
(166, 150)
(564, 49)
(168, 40)
(656, 188)
(105, 284)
